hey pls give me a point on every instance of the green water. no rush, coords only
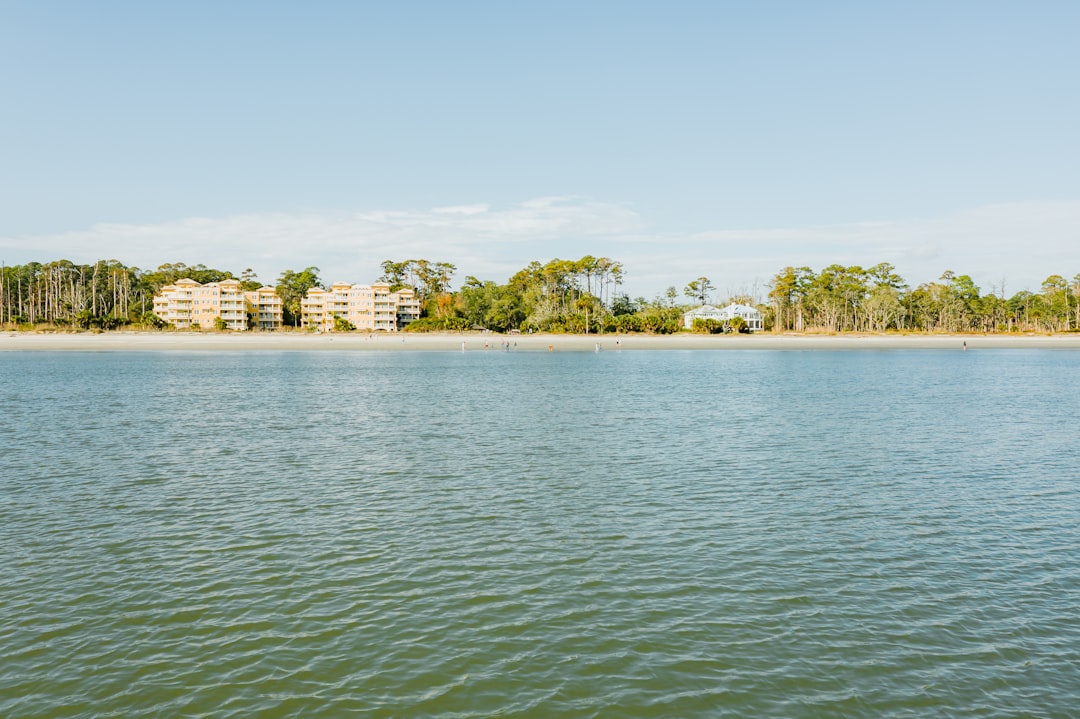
(651, 534)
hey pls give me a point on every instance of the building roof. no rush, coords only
(742, 309)
(727, 312)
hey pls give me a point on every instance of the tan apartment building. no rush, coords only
(366, 307)
(187, 304)
(267, 309)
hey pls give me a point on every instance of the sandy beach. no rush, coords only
(450, 342)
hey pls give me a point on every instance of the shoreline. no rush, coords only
(128, 341)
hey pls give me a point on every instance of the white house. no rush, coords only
(723, 314)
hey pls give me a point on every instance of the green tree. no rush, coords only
(699, 290)
(505, 313)
(882, 306)
(706, 326)
(292, 287)
(429, 279)
(960, 302)
(788, 291)
(1022, 310)
(249, 282)
(623, 305)
(1055, 302)
(396, 274)
(1074, 288)
(149, 319)
(477, 298)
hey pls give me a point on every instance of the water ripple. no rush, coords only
(622, 534)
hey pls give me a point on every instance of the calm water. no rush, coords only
(638, 534)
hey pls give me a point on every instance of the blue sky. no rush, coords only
(682, 138)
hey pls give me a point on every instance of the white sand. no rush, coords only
(475, 342)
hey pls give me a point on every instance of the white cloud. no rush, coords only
(1020, 242)
(462, 210)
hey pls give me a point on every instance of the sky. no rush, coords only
(683, 139)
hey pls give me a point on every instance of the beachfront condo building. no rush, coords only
(366, 307)
(266, 308)
(187, 304)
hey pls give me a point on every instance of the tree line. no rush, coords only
(876, 299)
(557, 296)
(582, 296)
(106, 294)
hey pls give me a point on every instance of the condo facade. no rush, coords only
(187, 304)
(367, 307)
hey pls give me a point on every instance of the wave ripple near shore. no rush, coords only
(646, 534)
